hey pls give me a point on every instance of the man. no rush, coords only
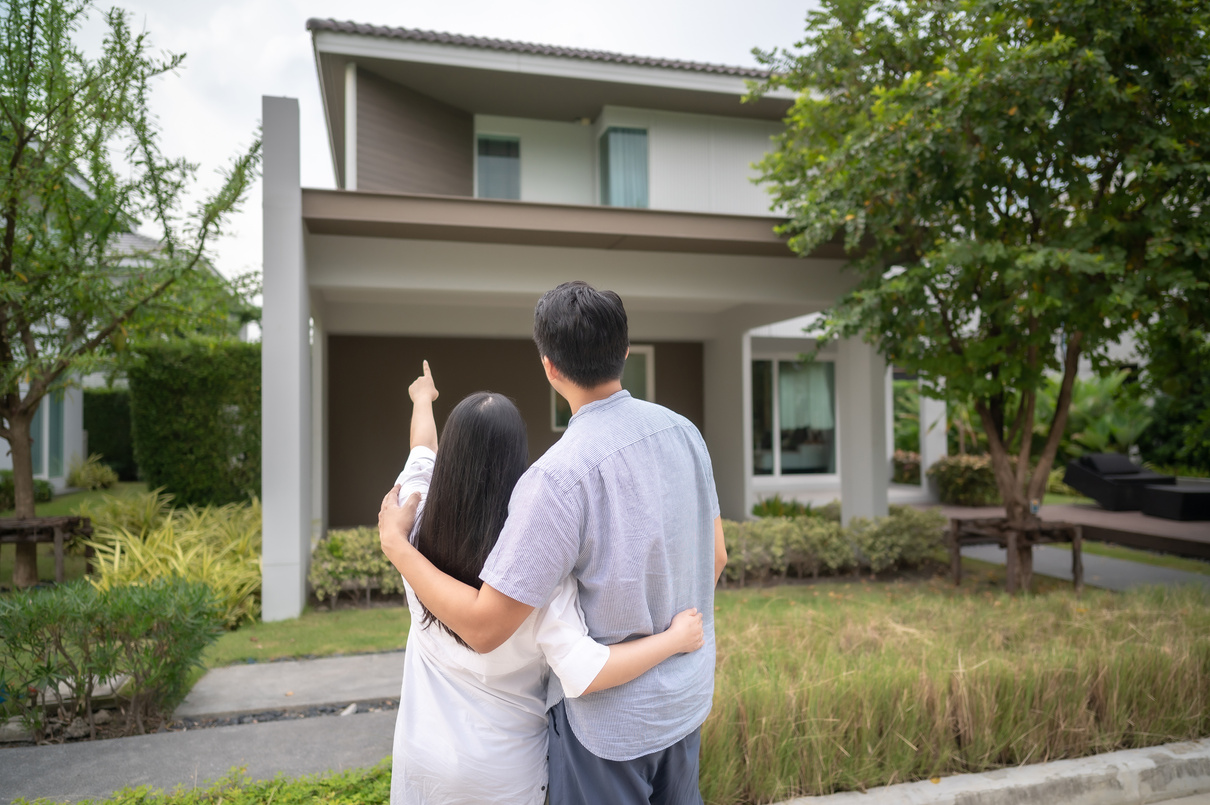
(625, 502)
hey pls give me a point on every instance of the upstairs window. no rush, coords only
(624, 167)
(499, 168)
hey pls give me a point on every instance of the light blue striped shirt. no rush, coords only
(624, 502)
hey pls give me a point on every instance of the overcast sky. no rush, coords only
(238, 51)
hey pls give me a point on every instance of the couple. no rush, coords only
(614, 534)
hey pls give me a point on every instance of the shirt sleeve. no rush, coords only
(540, 542)
(563, 638)
(416, 476)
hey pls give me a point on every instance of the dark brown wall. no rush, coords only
(369, 410)
(411, 143)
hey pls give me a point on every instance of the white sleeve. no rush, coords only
(416, 476)
(563, 637)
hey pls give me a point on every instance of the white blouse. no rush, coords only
(472, 727)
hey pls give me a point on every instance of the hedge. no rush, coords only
(195, 417)
(107, 420)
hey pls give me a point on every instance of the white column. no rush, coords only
(319, 426)
(728, 412)
(351, 126)
(285, 371)
(861, 401)
(933, 444)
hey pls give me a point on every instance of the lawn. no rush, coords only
(69, 504)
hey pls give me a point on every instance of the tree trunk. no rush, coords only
(25, 570)
(1017, 509)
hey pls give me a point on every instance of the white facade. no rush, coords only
(58, 436)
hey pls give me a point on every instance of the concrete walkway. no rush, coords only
(1099, 571)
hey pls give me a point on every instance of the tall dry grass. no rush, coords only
(844, 687)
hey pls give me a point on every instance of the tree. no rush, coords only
(1018, 182)
(80, 166)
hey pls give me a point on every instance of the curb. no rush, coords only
(1127, 777)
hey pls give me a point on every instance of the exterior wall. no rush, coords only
(369, 412)
(411, 143)
(556, 158)
(699, 163)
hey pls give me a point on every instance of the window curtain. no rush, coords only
(54, 438)
(806, 396)
(499, 168)
(36, 430)
(624, 167)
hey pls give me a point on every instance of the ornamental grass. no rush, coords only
(838, 687)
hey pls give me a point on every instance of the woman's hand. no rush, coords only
(395, 523)
(423, 388)
(686, 629)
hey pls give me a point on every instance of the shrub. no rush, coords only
(107, 420)
(195, 416)
(77, 635)
(351, 560)
(91, 474)
(906, 467)
(819, 545)
(216, 545)
(776, 507)
(907, 537)
(965, 480)
(1055, 485)
(137, 514)
(43, 491)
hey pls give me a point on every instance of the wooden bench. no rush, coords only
(995, 531)
(58, 530)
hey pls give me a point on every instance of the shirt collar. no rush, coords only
(600, 405)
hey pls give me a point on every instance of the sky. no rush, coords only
(236, 52)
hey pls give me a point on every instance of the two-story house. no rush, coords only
(475, 174)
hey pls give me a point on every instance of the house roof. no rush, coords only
(509, 46)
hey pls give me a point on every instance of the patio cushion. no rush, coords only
(1109, 464)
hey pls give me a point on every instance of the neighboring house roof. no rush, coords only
(438, 37)
(126, 243)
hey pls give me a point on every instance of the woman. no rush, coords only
(472, 727)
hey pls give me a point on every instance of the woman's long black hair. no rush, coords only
(482, 453)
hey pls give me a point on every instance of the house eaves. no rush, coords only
(472, 220)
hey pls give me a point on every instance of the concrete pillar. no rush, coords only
(285, 371)
(727, 385)
(861, 400)
(933, 444)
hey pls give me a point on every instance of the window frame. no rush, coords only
(491, 135)
(776, 477)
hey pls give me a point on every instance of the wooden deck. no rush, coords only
(1132, 529)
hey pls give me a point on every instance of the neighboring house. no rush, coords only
(474, 175)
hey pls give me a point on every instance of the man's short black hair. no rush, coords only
(583, 332)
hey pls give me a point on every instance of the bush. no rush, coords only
(806, 547)
(906, 467)
(905, 538)
(107, 420)
(196, 419)
(77, 635)
(219, 546)
(351, 560)
(1055, 485)
(776, 507)
(136, 514)
(965, 480)
(91, 474)
(43, 491)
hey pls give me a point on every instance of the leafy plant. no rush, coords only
(906, 415)
(965, 480)
(905, 467)
(43, 490)
(905, 538)
(135, 514)
(91, 473)
(351, 560)
(73, 636)
(219, 546)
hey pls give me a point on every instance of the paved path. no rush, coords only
(1099, 571)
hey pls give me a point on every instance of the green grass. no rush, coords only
(1053, 499)
(314, 634)
(73, 565)
(354, 787)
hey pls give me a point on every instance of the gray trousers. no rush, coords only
(578, 777)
